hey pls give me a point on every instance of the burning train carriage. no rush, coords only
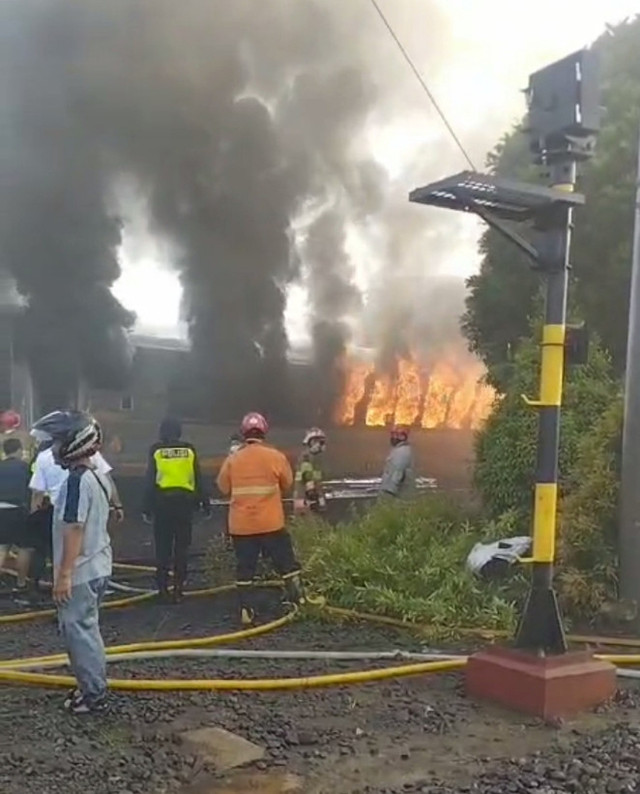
(447, 392)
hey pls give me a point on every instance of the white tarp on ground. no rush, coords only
(508, 550)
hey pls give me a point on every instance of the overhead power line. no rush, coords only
(423, 83)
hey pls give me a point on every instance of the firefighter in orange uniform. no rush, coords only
(256, 476)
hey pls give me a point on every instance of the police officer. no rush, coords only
(173, 490)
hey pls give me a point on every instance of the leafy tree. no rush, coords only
(601, 251)
(501, 301)
(504, 298)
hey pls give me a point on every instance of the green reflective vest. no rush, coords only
(175, 468)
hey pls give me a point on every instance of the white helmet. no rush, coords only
(314, 434)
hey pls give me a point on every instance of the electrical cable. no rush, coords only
(424, 85)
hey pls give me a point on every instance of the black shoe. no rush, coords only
(294, 591)
(177, 595)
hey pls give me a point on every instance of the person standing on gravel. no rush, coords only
(14, 509)
(82, 555)
(173, 491)
(256, 476)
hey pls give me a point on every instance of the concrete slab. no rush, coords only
(223, 749)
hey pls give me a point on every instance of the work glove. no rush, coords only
(205, 508)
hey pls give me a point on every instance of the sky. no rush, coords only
(493, 46)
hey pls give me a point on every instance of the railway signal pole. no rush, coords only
(562, 123)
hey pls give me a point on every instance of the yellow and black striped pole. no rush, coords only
(541, 627)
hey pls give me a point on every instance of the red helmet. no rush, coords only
(399, 434)
(9, 421)
(254, 425)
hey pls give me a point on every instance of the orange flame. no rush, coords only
(448, 394)
(355, 375)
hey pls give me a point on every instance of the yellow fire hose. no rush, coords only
(14, 671)
(245, 684)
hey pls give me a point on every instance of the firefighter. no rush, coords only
(173, 491)
(10, 422)
(256, 476)
(308, 491)
(397, 477)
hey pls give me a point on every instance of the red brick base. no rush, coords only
(553, 686)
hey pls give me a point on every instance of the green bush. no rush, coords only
(588, 519)
(505, 448)
(589, 474)
(406, 560)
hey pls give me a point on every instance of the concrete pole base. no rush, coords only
(548, 687)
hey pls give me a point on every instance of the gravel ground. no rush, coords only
(414, 735)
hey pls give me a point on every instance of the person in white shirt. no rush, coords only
(48, 477)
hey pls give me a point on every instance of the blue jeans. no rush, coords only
(79, 625)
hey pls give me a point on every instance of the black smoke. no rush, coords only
(241, 123)
(57, 236)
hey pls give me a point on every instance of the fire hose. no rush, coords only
(16, 671)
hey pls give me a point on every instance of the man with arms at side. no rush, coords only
(47, 480)
(82, 556)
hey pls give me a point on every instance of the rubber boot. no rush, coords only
(294, 590)
(162, 580)
(246, 604)
(178, 592)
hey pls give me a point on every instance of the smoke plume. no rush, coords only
(244, 125)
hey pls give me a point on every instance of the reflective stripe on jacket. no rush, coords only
(308, 478)
(256, 477)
